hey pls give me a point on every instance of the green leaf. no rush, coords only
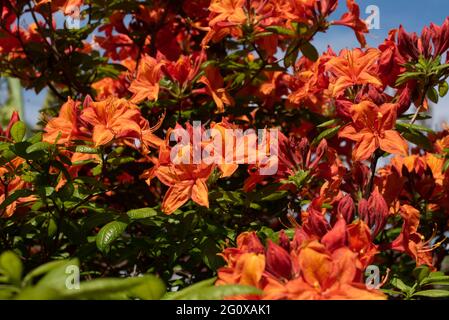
(326, 134)
(275, 196)
(291, 54)
(392, 292)
(438, 283)
(42, 269)
(434, 280)
(35, 138)
(7, 292)
(109, 233)
(210, 250)
(152, 288)
(443, 88)
(281, 30)
(412, 134)
(442, 67)
(399, 284)
(53, 285)
(147, 287)
(432, 94)
(408, 126)
(309, 51)
(39, 146)
(409, 116)
(301, 28)
(263, 34)
(205, 290)
(421, 272)
(179, 295)
(141, 213)
(406, 76)
(446, 165)
(56, 276)
(418, 139)
(18, 131)
(86, 149)
(11, 267)
(433, 293)
(221, 292)
(327, 123)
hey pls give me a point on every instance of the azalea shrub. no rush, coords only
(205, 148)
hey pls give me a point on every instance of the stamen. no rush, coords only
(159, 122)
(293, 221)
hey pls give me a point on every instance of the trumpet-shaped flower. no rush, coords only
(373, 128)
(353, 67)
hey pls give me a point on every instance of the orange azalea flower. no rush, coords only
(302, 268)
(411, 241)
(215, 88)
(353, 67)
(230, 11)
(436, 165)
(308, 83)
(248, 269)
(442, 144)
(110, 87)
(268, 87)
(186, 181)
(146, 84)
(111, 119)
(219, 132)
(235, 148)
(324, 275)
(359, 242)
(352, 20)
(78, 160)
(64, 127)
(245, 264)
(185, 68)
(67, 6)
(11, 183)
(372, 128)
(147, 138)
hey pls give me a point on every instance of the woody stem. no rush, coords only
(415, 115)
(426, 87)
(373, 166)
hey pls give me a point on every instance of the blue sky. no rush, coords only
(413, 15)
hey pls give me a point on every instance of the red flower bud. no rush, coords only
(316, 223)
(346, 208)
(374, 212)
(278, 261)
(363, 210)
(407, 44)
(336, 237)
(284, 241)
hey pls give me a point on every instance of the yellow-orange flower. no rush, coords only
(372, 128)
(146, 84)
(112, 118)
(353, 67)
